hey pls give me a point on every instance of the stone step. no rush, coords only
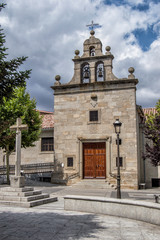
(43, 201)
(23, 199)
(20, 194)
(11, 189)
(36, 197)
(31, 193)
(98, 184)
(29, 204)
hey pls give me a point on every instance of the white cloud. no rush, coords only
(150, 59)
(156, 28)
(147, 96)
(49, 32)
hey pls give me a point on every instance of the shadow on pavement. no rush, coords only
(37, 226)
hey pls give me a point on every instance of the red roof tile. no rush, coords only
(148, 111)
(47, 120)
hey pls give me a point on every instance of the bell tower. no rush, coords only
(93, 65)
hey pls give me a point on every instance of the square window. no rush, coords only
(120, 162)
(70, 162)
(93, 116)
(47, 144)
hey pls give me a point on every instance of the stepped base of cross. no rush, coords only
(24, 197)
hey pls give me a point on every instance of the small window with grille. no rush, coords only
(70, 162)
(47, 144)
(93, 116)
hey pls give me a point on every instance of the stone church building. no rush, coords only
(84, 112)
(78, 141)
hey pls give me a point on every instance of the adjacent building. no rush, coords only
(43, 151)
(151, 173)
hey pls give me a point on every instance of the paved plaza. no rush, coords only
(60, 191)
(50, 221)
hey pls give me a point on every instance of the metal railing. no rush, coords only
(74, 175)
(29, 168)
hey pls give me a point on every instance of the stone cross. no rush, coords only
(92, 25)
(18, 128)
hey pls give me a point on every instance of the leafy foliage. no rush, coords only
(14, 102)
(152, 133)
(20, 105)
(10, 75)
(2, 5)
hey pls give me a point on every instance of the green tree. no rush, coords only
(10, 75)
(20, 105)
(152, 133)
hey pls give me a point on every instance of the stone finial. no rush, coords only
(108, 48)
(57, 78)
(77, 52)
(92, 32)
(131, 71)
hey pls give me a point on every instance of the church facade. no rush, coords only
(84, 112)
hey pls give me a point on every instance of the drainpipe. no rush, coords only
(79, 141)
(144, 164)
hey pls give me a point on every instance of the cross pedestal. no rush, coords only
(18, 181)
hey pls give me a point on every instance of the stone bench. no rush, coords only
(137, 210)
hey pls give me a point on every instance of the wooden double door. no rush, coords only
(94, 160)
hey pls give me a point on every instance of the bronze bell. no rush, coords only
(86, 75)
(100, 72)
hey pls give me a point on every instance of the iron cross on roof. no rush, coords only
(93, 25)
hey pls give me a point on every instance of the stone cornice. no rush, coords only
(82, 59)
(95, 87)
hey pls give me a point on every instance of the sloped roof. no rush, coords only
(148, 111)
(47, 119)
(44, 112)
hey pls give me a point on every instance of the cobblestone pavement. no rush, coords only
(51, 222)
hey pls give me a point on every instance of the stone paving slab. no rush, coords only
(50, 222)
(143, 195)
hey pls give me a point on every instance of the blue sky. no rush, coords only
(49, 32)
(145, 37)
